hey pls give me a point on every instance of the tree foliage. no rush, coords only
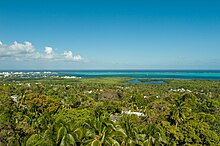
(77, 112)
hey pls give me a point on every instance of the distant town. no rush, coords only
(25, 74)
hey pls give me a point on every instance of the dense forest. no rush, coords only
(108, 111)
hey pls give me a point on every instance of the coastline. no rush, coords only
(143, 74)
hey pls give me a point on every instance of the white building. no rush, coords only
(134, 113)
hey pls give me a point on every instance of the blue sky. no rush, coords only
(109, 34)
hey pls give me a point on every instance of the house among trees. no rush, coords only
(134, 113)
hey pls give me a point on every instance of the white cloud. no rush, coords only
(26, 47)
(16, 49)
(26, 51)
(69, 55)
(77, 58)
(49, 52)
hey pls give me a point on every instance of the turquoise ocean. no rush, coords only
(151, 74)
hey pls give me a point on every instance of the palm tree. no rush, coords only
(154, 135)
(102, 132)
(38, 139)
(132, 135)
(178, 112)
(64, 138)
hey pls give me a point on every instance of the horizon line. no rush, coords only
(122, 69)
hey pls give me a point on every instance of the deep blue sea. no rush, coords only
(156, 74)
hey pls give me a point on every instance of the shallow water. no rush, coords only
(149, 83)
(210, 75)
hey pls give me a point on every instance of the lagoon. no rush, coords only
(136, 81)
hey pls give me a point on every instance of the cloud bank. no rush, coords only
(26, 51)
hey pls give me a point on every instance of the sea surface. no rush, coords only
(151, 74)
